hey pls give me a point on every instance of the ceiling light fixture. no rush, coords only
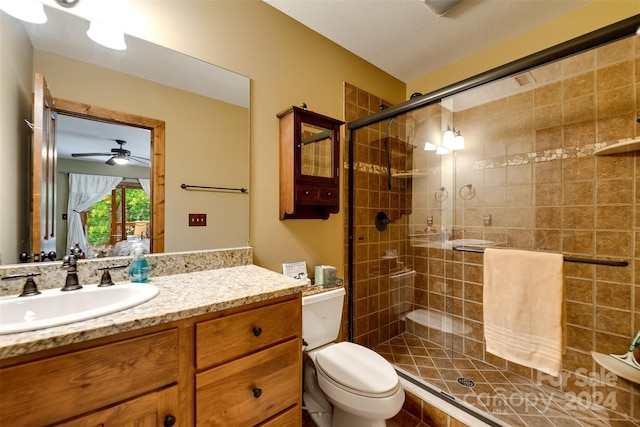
(106, 35)
(25, 10)
(452, 140)
(68, 3)
(120, 159)
(447, 138)
(430, 146)
(441, 150)
(458, 142)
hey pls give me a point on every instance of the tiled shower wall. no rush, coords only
(376, 253)
(529, 158)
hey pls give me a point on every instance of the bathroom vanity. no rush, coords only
(216, 348)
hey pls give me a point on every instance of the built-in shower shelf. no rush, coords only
(622, 146)
(409, 175)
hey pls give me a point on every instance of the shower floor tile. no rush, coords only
(514, 400)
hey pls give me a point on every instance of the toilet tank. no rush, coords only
(322, 317)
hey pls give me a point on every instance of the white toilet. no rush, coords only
(362, 387)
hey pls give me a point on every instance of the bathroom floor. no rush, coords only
(403, 419)
(510, 398)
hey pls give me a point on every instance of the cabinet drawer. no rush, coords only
(328, 196)
(230, 337)
(250, 390)
(306, 194)
(289, 418)
(82, 381)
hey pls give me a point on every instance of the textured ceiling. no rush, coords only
(408, 40)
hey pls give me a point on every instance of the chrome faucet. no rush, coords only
(70, 263)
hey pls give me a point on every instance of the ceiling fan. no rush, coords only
(117, 156)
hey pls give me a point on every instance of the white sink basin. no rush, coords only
(54, 307)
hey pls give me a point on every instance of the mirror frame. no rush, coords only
(157, 173)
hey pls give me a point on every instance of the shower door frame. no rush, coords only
(590, 40)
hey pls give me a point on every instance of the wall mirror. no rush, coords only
(205, 108)
(317, 151)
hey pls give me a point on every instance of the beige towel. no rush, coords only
(523, 304)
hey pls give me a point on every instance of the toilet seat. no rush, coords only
(357, 369)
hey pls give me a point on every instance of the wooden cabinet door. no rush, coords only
(59, 388)
(150, 410)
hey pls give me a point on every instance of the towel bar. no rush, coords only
(566, 258)
(186, 187)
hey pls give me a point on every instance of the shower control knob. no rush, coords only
(257, 331)
(169, 420)
(257, 392)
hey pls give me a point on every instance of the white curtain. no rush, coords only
(84, 192)
(146, 186)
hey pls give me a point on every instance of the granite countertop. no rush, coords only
(181, 296)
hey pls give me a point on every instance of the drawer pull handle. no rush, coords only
(257, 392)
(257, 331)
(169, 420)
(306, 192)
(329, 194)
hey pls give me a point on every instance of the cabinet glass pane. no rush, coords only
(316, 151)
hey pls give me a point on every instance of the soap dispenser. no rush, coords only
(139, 268)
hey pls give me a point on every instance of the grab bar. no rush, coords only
(608, 263)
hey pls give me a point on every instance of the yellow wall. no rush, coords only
(288, 64)
(15, 105)
(592, 17)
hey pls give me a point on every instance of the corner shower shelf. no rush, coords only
(622, 146)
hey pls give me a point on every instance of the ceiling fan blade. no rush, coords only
(138, 157)
(89, 154)
(139, 160)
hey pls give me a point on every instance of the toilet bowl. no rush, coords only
(345, 384)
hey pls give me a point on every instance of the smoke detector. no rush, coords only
(440, 7)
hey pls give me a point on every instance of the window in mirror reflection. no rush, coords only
(126, 208)
(317, 152)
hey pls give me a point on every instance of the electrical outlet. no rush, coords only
(197, 220)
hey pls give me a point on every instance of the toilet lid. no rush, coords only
(357, 367)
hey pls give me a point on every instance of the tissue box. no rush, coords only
(325, 275)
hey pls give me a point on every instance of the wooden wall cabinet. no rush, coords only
(309, 164)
